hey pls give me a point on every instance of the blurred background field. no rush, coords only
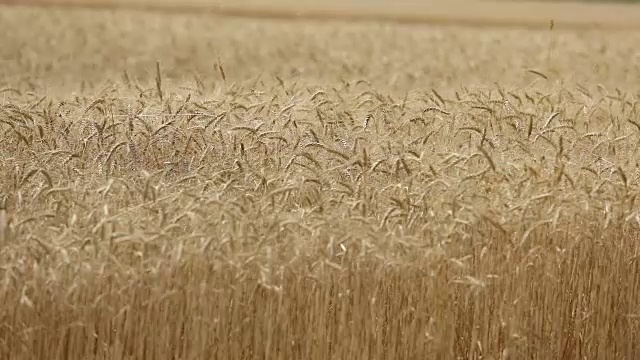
(581, 14)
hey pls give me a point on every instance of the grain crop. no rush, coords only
(192, 186)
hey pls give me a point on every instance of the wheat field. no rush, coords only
(196, 186)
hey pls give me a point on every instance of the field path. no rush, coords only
(455, 12)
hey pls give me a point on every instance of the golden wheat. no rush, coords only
(256, 189)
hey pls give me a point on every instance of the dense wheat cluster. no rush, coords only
(195, 187)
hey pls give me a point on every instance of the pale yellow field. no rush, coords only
(184, 185)
(566, 14)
